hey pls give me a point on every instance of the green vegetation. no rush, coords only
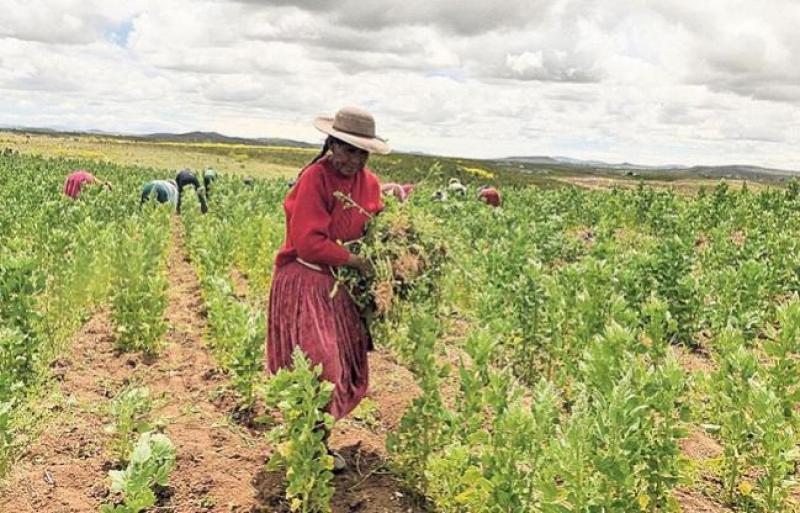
(299, 440)
(150, 465)
(571, 314)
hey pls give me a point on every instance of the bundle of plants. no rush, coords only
(405, 247)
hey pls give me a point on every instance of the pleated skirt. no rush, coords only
(329, 330)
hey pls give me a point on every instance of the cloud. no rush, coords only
(555, 66)
(452, 16)
(233, 88)
(619, 80)
(69, 22)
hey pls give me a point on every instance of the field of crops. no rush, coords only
(583, 351)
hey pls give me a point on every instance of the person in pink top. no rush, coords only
(334, 197)
(394, 189)
(490, 195)
(75, 181)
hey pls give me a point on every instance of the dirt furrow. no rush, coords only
(219, 463)
(216, 459)
(64, 470)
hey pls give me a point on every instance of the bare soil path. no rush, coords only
(219, 462)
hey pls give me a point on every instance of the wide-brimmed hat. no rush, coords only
(354, 126)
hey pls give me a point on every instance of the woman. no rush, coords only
(456, 187)
(394, 189)
(163, 191)
(75, 181)
(334, 197)
(490, 195)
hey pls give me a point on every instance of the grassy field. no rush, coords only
(284, 162)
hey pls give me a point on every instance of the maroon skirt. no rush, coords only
(329, 330)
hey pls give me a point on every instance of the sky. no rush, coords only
(651, 82)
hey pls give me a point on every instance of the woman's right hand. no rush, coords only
(360, 263)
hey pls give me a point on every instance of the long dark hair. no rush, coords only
(326, 146)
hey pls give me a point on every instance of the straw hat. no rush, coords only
(354, 126)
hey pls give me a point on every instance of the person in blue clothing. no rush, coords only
(161, 191)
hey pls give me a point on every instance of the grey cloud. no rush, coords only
(455, 16)
(552, 66)
(781, 86)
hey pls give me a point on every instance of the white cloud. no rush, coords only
(641, 81)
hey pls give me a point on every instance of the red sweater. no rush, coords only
(75, 181)
(491, 196)
(316, 220)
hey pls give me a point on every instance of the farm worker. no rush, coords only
(184, 179)
(490, 195)
(408, 188)
(455, 186)
(209, 175)
(74, 182)
(394, 189)
(163, 191)
(334, 197)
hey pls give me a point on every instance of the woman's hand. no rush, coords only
(360, 263)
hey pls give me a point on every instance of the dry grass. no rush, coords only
(688, 186)
(258, 161)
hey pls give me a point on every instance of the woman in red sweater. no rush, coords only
(334, 197)
(490, 195)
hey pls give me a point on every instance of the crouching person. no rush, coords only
(74, 183)
(185, 179)
(161, 191)
(457, 188)
(394, 189)
(490, 195)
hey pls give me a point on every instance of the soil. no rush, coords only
(700, 446)
(220, 461)
(239, 281)
(694, 361)
(220, 452)
(692, 501)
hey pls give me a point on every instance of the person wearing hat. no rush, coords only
(456, 187)
(490, 195)
(185, 179)
(76, 180)
(334, 197)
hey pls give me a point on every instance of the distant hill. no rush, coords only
(214, 137)
(211, 137)
(669, 171)
(531, 160)
(743, 172)
(596, 164)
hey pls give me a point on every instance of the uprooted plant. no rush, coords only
(405, 250)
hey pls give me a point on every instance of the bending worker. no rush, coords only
(75, 181)
(186, 178)
(162, 191)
